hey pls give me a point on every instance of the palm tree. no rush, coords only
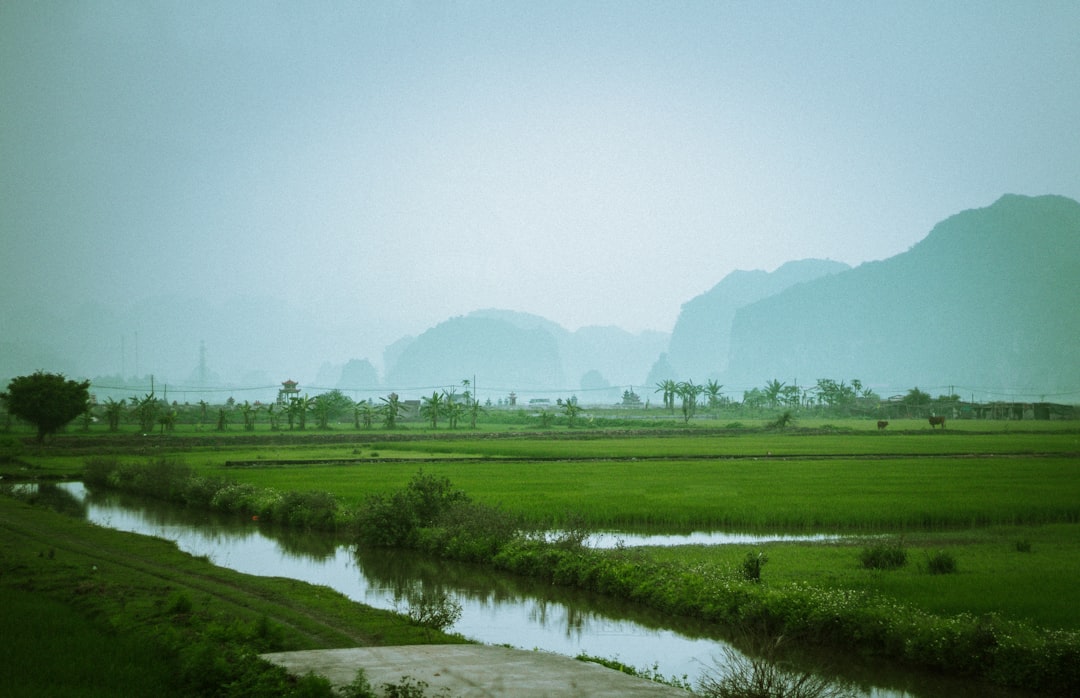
(689, 394)
(772, 392)
(363, 413)
(432, 407)
(146, 411)
(454, 412)
(248, 411)
(113, 411)
(391, 409)
(712, 389)
(571, 408)
(474, 411)
(668, 387)
(167, 420)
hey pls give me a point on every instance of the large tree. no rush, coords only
(47, 400)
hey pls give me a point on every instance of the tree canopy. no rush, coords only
(47, 400)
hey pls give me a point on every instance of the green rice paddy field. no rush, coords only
(1003, 498)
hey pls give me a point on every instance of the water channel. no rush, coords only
(497, 608)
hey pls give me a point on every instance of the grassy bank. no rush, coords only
(121, 614)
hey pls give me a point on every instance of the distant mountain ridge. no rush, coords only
(701, 339)
(522, 352)
(989, 301)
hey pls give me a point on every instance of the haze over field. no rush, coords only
(294, 186)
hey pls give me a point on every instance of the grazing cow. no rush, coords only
(935, 421)
(882, 424)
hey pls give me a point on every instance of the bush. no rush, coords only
(884, 556)
(434, 610)
(751, 566)
(395, 521)
(941, 562)
(1023, 546)
(11, 449)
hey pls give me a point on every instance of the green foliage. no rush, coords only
(751, 566)
(390, 409)
(783, 421)
(434, 609)
(145, 410)
(688, 395)
(47, 400)
(432, 408)
(916, 401)
(571, 409)
(941, 562)
(330, 407)
(359, 687)
(11, 449)
(396, 520)
(1023, 545)
(60, 652)
(174, 481)
(884, 556)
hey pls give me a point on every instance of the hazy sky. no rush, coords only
(398, 163)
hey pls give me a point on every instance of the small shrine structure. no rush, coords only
(289, 390)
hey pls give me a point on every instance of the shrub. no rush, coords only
(783, 421)
(1023, 546)
(11, 449)
(395, 521)
(884, 556)
(941, 562)
(751, 566)
(434, 610)
(305, 510)
(96, 470)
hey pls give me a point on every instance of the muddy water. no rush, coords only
(497, 608)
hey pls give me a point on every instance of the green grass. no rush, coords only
(992, 577)
(125, 611)
(53, 651)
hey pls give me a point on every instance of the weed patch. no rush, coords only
(884, 556)
(941, 562)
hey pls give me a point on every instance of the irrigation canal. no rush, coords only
(498, 609)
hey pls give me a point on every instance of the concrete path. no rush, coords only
(473, 670)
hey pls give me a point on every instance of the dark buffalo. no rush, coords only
(882, 424)
(935, 421)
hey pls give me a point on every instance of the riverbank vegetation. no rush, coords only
(120, 614)
(995, 509)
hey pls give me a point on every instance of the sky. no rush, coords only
(393, 164)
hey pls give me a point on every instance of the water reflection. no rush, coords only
(497, 608)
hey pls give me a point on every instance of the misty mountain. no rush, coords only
(502, 353)
(988, 301)
(701, 338)
(516, 351)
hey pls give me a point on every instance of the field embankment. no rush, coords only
(155, 621)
